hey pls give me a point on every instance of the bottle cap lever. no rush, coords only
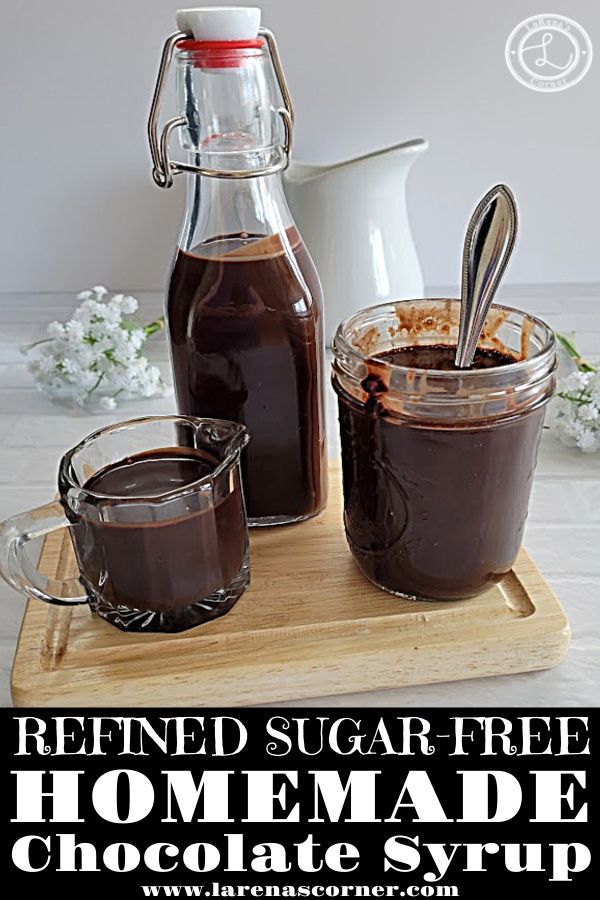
(163, 168)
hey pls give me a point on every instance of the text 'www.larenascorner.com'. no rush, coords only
(303, 890)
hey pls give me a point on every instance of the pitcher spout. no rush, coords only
(224, 439)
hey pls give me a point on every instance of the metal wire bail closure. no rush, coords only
(163, 168)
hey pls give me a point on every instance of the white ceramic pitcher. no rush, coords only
(354, 220)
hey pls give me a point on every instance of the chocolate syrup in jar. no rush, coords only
(245, 324)
(435, 510)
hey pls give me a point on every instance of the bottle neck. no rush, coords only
(231, 110)
(238, 208)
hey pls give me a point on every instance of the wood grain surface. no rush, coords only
(310, 625)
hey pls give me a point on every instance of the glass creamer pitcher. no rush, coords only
(155, 513)
(244, 306)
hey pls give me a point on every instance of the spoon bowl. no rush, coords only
(489, 242)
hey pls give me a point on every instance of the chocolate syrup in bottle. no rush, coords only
(244, 306)
(245, 324)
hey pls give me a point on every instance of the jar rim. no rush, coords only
(342, 346)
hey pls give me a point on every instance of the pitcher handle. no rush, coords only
(15, 566)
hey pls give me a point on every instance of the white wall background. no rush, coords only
(78, 205)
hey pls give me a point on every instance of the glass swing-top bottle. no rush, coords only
(244, 305)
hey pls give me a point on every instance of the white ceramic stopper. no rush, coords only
(220, 23)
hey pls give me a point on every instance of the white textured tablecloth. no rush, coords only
(563, 529)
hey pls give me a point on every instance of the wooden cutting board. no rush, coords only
(310, 625)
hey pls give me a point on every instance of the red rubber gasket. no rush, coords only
(250, 44)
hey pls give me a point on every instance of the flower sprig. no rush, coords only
(575, 414)
(95, 358)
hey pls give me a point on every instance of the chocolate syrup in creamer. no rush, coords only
(435, 510)
(245, 325)
(158, 557)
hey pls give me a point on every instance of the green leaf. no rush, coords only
(582, 364)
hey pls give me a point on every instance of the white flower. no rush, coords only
(44, 364)
(55, 330)
(578, 381)
(588, 412)
(129, 304)
(575, 412)
(137, 338)
(71, 366)
(74, 329)
(126, 303)
(588, 441)
(96, 354)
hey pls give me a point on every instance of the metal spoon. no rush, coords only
(489, 242)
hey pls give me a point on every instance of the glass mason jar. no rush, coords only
(244, 304)
(438, 465)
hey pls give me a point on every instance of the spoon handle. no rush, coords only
(489, 242)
